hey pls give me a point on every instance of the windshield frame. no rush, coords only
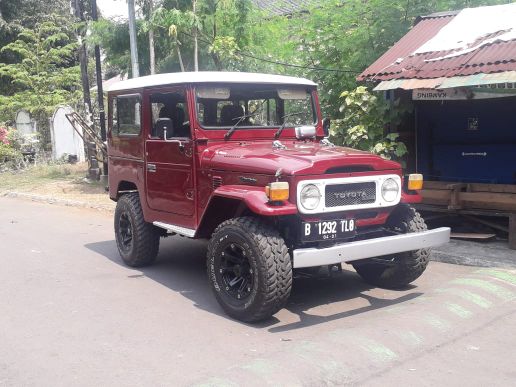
(310, 91)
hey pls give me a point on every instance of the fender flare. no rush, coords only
(255, 199)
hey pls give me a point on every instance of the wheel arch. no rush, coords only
(123, 186)
(218, 210)
(230, 201)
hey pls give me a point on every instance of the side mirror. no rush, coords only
(326, 126)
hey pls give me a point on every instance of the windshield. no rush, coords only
(256, 106)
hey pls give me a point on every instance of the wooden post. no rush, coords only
(455, 202)
(512, 231)
(100, 91)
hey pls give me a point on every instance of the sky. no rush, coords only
(113, 8)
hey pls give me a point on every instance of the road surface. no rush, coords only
(72, 315)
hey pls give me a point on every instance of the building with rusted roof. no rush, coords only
(459, 70)
(450, 49)
(285, 7)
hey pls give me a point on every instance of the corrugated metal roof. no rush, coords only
(397, 63)
(285, 7)
(448, 82)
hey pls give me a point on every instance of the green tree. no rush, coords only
(365, 119)
(44, 74)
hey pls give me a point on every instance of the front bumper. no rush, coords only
(369, 248)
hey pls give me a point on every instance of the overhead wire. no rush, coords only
(242, 53)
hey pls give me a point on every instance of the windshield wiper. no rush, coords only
(280, 130)
(240, 119)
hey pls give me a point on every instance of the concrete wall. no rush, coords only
(65, 140)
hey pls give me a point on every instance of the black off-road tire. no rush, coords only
(268, 263)
(404, 267)
(142, 248)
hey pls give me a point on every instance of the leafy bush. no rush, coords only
(365, 117)
(15, 139)
(3, 135)
(10, 158)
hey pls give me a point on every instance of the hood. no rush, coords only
(297, 158)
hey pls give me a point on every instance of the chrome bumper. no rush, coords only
(369, 248)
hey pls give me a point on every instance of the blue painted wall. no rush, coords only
(450, 151)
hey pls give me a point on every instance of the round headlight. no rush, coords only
(310, 197)
(390, 189)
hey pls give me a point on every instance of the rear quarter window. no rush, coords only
(126, 115)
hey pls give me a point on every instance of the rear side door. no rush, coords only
(169, 161)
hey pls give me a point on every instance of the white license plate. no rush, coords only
(328, 230)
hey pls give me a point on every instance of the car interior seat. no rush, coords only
(180, 128)
(230, 114)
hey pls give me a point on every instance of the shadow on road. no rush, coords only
(181, 266)
(309, 293)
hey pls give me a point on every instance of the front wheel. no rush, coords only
(400, 269)
(249, 269)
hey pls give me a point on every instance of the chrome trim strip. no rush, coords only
(369, 248)
(177, 229)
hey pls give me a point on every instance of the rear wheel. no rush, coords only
(249, 269)
(137, 240)
(397, 270)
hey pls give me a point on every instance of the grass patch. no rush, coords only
(37, 175)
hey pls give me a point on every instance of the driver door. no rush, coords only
(169, 161)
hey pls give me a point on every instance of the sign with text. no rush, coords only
(458, 94)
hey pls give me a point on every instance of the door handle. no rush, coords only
(151, 167)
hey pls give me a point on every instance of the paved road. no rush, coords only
(72, 314)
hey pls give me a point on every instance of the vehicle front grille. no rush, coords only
(350, 194)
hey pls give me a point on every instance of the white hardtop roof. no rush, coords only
(207, 77)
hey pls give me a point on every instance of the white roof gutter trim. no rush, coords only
(207, 77)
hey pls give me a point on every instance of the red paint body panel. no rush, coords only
(173, 177)
(256, 200)
(299, 157)
(411, 198)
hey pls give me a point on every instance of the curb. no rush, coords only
(59, 201)
(469, 253)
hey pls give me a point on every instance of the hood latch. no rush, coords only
(276, 144)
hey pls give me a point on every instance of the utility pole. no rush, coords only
(196, 46)
(132, 39)
(152, 57)
(100, 90)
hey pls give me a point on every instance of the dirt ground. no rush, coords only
(66, 182)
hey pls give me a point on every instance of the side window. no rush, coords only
(128, 115)
(169, 112)
(114, 116)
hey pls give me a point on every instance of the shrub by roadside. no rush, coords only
(11, 156)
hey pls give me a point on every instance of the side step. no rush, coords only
(188, 232)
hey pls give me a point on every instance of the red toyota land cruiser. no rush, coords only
(243, 160)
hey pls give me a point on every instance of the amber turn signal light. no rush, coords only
(277, 191)
(415, 182)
